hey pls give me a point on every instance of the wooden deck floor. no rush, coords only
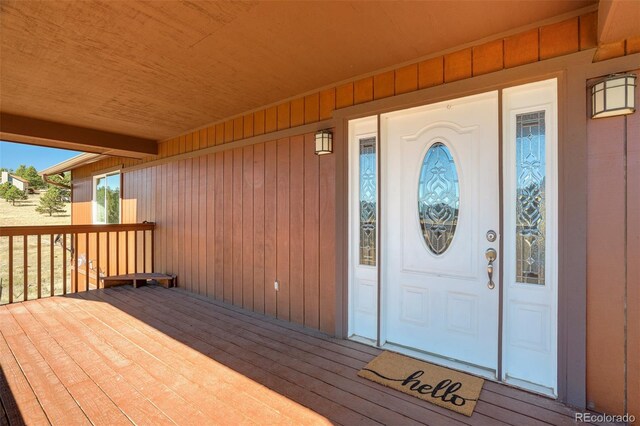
(158, 356)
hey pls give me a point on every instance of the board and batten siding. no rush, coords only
(81, 201)
(230, 224)
(613, 271)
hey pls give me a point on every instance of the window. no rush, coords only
(368, 201)
(106, 198)
(438, 198)
(531, 221)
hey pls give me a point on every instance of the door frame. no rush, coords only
(572, 71)
(382, 233)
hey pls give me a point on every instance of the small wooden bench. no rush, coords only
(164, 280)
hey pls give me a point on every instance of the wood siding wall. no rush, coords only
(230, 224)
(613, 270)
(82, 194)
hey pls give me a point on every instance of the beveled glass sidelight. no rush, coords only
(368, 197)
(530, 198)
(438, 198)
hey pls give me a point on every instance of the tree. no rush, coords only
(113, 205)
(65, 179)
(31, 175)
(13, 194)
(51, 202)
(4, 188)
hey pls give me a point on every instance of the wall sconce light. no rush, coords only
(324, 142)
(613, 95)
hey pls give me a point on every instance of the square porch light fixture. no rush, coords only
(324, 142)
(613, 95)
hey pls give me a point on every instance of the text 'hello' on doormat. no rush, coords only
(447, 388)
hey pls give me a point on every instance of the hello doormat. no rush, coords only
(447, 388)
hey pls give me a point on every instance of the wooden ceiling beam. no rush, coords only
(16, 128)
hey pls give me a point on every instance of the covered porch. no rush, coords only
(201, 120)
(159, 356)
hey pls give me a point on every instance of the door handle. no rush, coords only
(491, 256)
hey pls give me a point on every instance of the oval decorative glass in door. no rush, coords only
(438, 198)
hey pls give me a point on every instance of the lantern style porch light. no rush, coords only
(324, 142)
(613, 95)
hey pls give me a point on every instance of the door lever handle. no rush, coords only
(491, 256)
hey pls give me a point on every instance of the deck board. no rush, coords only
(95, 404)
(17, 394)
(56, 400)
(314, 361)
(166, 356)
(337, 376)
(92, 353)
(288, 368)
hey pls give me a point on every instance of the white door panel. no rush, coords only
(439, 302)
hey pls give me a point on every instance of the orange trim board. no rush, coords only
(441, 386)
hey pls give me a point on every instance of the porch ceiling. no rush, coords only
(156, 69)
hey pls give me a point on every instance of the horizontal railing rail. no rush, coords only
(41, 261)
(73, 229)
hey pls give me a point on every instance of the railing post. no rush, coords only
(86, 261)
(108, 253)
(10, 268)
(39, 271)
(51, 264)
(135, 252)
(118, 253)
(25, 252)
(76, 252)
(126, 252)
(97, 260)
(64, 263)
(144, 251)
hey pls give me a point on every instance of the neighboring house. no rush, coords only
(14, 180)
(472, 208)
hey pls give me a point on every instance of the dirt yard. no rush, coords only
(24, 214)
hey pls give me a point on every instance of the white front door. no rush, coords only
(440, 198)
(440, 216)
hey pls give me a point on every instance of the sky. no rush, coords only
(14, 154)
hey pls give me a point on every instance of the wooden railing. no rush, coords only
(41, 261)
